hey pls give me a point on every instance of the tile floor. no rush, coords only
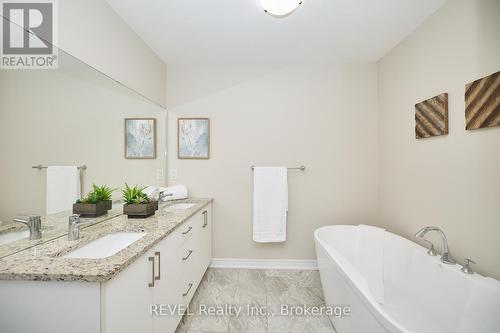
(263, 290)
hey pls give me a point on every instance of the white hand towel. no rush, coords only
(270, 204)
(63, 188)
(369, 259)
(176, 192)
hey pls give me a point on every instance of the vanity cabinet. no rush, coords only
(168, 273)
(164, 278)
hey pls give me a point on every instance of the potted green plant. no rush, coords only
(96, 203)
(104, 194)
(137, 203)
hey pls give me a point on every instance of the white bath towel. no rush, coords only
(369, 259)
(270, 204)
(63, 188)
(176, 192)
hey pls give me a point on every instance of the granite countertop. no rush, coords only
(53, 226)
(44, 262)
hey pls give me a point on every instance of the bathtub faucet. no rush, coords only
(446, 257)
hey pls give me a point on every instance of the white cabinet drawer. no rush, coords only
(181, 233)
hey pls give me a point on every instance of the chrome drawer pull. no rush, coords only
(189, 254)
(152, 283)
(187, 231)
(205, 219)
(189, 289)
(157, 254)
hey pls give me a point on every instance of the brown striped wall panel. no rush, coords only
(431, 117)
(482, 102)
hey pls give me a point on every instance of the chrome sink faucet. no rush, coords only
(74, 225)
(34, 223)
(446, 257)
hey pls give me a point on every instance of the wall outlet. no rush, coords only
(160, 174)
(172, 174)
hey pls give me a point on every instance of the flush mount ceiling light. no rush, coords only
(280, 8)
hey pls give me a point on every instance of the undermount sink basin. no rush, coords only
(179, 206)
(13, 236)
(105, 246)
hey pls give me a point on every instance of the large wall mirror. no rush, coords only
(70, 116)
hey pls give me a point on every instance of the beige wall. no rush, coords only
(324, 117)
(72, 116)
(453, 181)
(91, 31)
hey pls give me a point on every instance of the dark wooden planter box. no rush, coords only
(140, 211)
(109, 204)
(91, 210)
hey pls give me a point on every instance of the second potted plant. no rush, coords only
(137, 203)
(96, 203)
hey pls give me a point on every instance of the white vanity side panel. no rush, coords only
(49, 307)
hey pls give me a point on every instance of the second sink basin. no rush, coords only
(105, 246)
(179, 206)
(13, 236)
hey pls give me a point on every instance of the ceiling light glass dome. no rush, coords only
(280, 7)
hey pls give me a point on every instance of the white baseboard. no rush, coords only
(263, 263)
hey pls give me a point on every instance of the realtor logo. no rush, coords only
(28, 31)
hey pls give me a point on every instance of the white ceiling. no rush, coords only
(239, 31)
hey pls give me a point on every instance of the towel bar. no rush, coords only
(301, 168)
(40, 167)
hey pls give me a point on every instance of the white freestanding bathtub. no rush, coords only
(421, 294)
